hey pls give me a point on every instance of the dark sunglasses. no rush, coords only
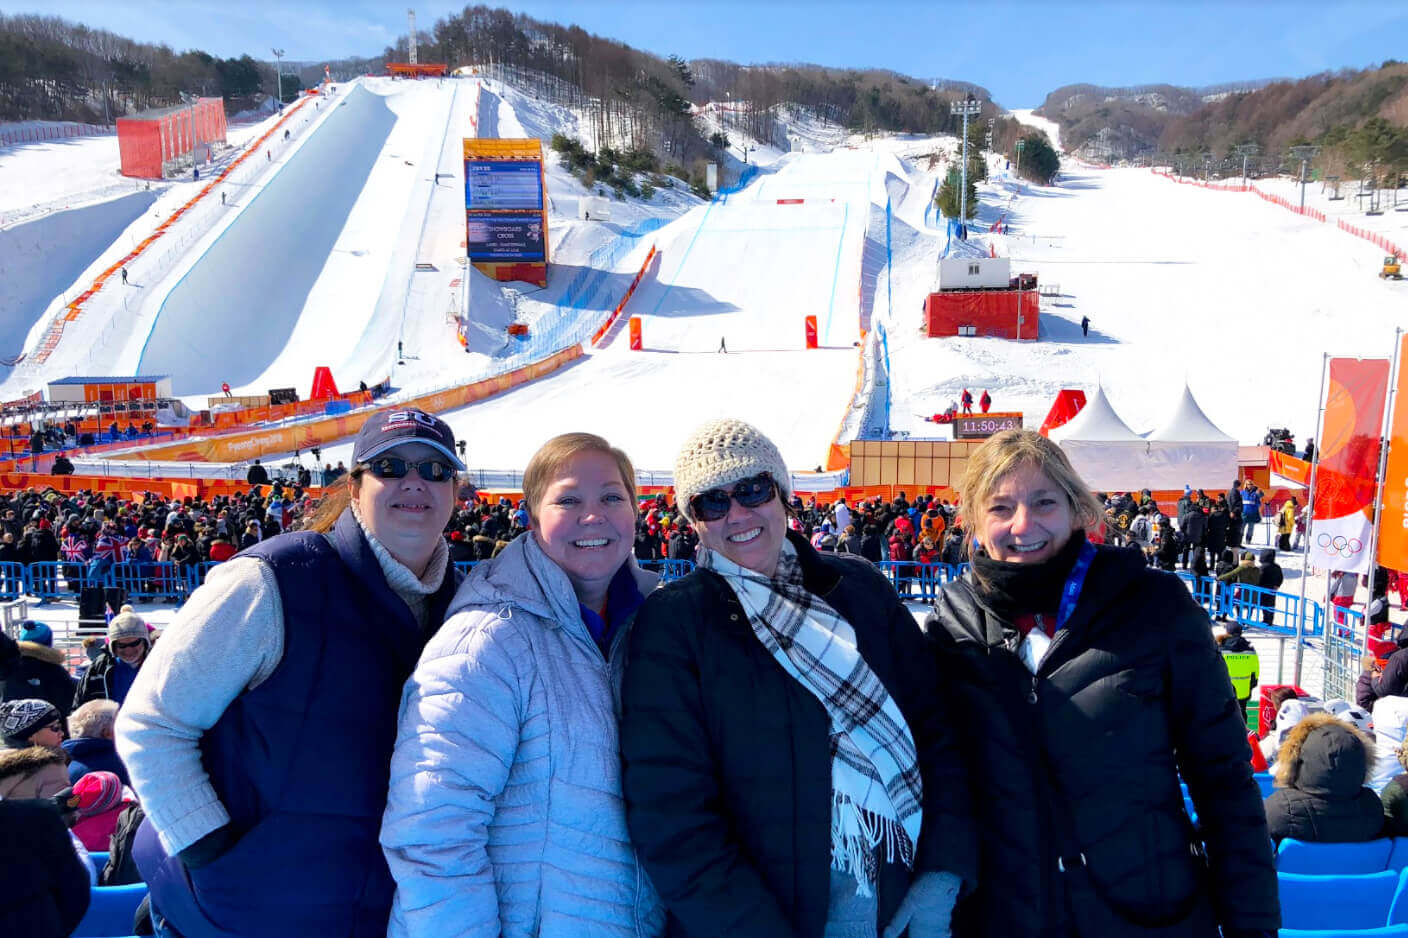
(392, 467)
(131, 643)
(750, 493)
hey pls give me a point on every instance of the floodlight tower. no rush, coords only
(278, 78)
(1021, 145)
(1305, 155)
(1246, 150)
(411, 15)
(967, 107)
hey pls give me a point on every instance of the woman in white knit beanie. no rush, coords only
(787, 766)
(111, 674)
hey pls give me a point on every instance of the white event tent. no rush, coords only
(1187, 449)
(1102, 448)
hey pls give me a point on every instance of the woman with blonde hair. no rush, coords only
(505, 815)
(1090, 684)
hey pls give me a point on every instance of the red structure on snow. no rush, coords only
(154, 144)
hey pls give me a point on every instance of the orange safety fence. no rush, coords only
(51, 338)
(127, 488)
(616, 313)
(238, 447)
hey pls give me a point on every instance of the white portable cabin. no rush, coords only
(975, 273)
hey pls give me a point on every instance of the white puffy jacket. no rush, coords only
(505, 815)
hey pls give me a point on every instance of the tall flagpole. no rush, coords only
(1310, 531)
(1376, 508)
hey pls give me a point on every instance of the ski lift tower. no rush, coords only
(1246, 150)
(968, 107)
(1305, 155)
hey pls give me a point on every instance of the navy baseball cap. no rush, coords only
(389, 428)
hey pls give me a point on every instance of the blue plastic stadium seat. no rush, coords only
(110, 911)
(1298, 856)
(1267, 783)
(99, 858)
(1388, 931)
(1398, 859)
(1323, 902)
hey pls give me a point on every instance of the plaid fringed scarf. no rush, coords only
(876, 792)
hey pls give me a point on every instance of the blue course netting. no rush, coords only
(572, 320)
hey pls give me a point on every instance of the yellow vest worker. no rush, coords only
(1242, 667)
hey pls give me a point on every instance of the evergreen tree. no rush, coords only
(947, 198)
(1039, 161)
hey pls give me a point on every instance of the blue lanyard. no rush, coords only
(1071, 593)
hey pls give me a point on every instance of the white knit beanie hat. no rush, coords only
(722, 452)
(127, 625)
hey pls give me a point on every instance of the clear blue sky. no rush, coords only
(1019, 51)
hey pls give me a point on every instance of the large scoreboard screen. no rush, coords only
(504, 237)
(503, 186)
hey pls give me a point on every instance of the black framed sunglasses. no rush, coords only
(750, 493)
(393, 467)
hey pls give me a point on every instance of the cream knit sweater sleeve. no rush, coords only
(228, 638)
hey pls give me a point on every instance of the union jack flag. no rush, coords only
(109, 547)
(74, 549)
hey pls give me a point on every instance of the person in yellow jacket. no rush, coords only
(1286, 523)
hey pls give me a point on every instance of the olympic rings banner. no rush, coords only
(1393, 526)
(1349, 462)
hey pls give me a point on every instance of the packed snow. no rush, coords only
(1218, 290)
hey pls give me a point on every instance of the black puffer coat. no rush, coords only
(1320, 794)
(1083, 760)
(727, 757)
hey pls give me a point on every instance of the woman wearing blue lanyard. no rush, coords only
(1090, 685)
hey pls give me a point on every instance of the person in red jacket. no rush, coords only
(985, 402)
(967, 401)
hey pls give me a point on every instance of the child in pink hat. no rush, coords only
(99, 798)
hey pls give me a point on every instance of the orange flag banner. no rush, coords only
(1393, 522)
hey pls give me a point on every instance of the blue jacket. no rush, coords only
(505, 815)
(1251, 505)
(86, 754)
(300, 762)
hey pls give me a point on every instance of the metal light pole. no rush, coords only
(279, 78)
(192, 100)
(1021, 145)
(967, 107)
(1305, 155)
(1247, 149)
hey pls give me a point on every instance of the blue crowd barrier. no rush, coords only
(42, 579)
(152, 581)
(1254, 607)
(668, 569)
(921, 580)
(13, 580)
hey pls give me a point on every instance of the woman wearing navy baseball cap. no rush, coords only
(282, 672)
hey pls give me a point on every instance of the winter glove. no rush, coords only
(927, 907)
(208, 849)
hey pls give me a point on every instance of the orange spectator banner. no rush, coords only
(240, 447)
(1393, 524)
(1351, 426)
(1289, 467)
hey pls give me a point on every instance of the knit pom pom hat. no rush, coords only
(95, 793)
(722, 452)
(127, 625)
(21, 719)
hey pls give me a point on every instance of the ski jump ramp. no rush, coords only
(233, 312)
